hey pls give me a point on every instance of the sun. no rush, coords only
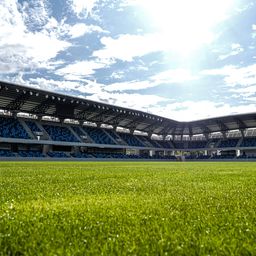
(186, 24)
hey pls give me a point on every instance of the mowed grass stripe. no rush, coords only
(116, 208)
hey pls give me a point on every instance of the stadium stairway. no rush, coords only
(110, 137)
(240, 142)
(155, 144)
(114, 135)
(73, 132)
(131, 140)
(140, 139)
(84, 137)
(145, 141)
(60, 133)
(167, 144)
(27, 129)
(45, 135)
(99, 136)
(228, 143)
(171, 143)
(217, 143)
(185, 144)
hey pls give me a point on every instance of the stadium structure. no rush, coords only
(39, 124)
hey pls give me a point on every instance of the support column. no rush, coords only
(46, 148)
(132, 131)
(242, 132)
(206, 135)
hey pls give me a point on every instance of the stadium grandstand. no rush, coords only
(38, 124)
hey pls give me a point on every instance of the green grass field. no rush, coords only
(127, 208)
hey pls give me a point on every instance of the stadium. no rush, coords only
(38, 124)
(127, 127)
(115, 186)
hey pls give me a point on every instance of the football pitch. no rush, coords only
(127, 208)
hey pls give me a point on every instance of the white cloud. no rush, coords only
(245, 91)
(235, 76)
(244, 76)
(31, 39)
(174, 76)
(81, 29)
(129, 85)
(235, 50)
(133, 100)
(185, 25)
(189, 110)
(224, 71)
(35, 13)
(17, 79)
(73, 31)
(241, 80)
(254, 31)
(21, 48)
(251, 99)
(117, 74)
(182, 111)
(128, 46)
(80, 69)
(53, 85)
(83, 8)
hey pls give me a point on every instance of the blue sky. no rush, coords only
(181, 59)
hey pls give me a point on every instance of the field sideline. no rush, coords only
(127, 208)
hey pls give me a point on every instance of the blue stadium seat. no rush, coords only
(59, 133)
(24, 153)
(6, 153)
(179, 144)
(58, 155)
(223, 157)
(242, 157)
(98, 135)
(155, 143)
(112, 134)
(11, 128)
(158, 157)
(131, 140)
(248, 142)
(197, 157)
(81, 155)
(202, 157)
(165, 144)
(190, 144)
(191, 157)
(32, 126)
(78, 130)
(148, 142)
(228, 143)
(251, 157)
(197, 144)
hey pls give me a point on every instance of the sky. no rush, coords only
(181, 59)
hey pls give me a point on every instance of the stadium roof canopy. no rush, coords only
(17, 98)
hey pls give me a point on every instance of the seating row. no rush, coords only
(79, 155)
(12, 128)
